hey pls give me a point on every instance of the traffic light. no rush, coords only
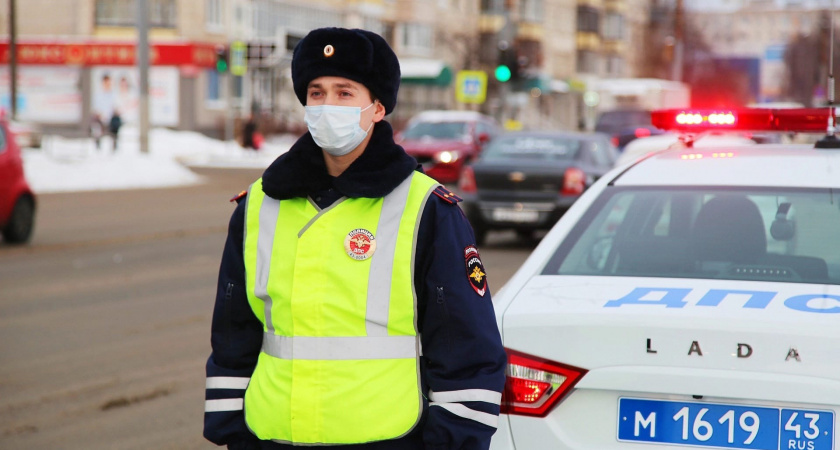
(507, 68)
(503, 73)
(221, 59)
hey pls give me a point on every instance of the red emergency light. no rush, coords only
(804, 120)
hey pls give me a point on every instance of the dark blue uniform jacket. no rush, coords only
(462, 349)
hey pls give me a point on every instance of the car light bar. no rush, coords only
(805, 120)
(533, 385)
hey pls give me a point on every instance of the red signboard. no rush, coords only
(110, 54)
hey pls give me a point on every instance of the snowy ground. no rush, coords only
(62, 165)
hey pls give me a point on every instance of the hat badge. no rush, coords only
(329, 50)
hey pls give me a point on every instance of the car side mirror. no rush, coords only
(483, 138)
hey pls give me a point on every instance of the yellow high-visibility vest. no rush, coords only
(334, 290)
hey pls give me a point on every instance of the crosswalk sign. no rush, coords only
(238, 65)
(471, 86)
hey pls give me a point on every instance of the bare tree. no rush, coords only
(661, 39)
(807, 61)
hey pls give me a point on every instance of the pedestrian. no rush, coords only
(250, 136)
(96, 129)
(114, 126)
(352, 307)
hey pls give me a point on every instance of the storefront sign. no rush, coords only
(111, 54)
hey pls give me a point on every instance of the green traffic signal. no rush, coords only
(503, 73)
(221, 59)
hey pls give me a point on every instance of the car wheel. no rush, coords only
(19, 228)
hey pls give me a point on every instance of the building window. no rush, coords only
(122, 13)
(417, 37)
(588, 19)
(613, 26)
(491, 6)
(588, 62)
(615, 65)
(213, 15)
(213, 94)
(531, 10)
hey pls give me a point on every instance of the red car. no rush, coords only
(443, 141)
(17, 202)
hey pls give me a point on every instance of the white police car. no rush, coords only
(688, 300)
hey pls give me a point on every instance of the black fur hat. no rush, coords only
(358, 55)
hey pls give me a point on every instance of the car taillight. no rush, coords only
(574, 182)
(614, 141)
(533, 385)
(467, 181)
(641, 132)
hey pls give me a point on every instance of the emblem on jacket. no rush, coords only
(360, 244)
(475, 270)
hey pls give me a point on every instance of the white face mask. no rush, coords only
(336, 128)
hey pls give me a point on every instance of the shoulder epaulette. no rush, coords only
(447, 195)
(239, 196)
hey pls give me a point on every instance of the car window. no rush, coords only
(612, 121)
(532, 147)
(436, 130)
(600, 153)
(790, 235)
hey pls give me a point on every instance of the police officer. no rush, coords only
(352, 306)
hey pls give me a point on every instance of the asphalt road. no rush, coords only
(105, 316)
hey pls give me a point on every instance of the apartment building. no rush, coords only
(433, 40)
(76, 59)
(67, 48)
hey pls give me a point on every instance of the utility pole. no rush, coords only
(229, 105)
(143, 68)
(13, 57)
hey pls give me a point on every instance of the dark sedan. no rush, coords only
(526, 180)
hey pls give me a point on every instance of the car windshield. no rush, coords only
(436, 130)
(788, 235)
(532, 147)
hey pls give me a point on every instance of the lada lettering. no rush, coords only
(676, 298)
(793, 353)
(695, 348)
(743, 350)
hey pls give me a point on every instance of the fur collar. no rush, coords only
(302, 171)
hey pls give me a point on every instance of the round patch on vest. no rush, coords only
(360, 244)
(475, 270)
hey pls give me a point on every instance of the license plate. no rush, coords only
(724, 426)
(512, 215)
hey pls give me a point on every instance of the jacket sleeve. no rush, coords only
(463, 359)
(236, 337)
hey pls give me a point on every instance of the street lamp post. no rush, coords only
(13, 57)
(143, 68)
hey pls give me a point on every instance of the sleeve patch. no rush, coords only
(476, 274)
(239, 196)
(447, 195)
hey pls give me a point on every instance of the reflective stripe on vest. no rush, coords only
(344, 330)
